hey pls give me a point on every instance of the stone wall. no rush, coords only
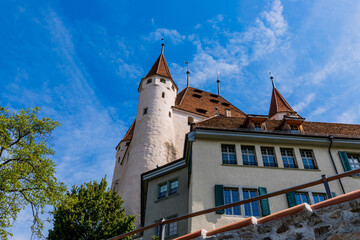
(337, 222)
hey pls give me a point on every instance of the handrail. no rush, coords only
(269, 195)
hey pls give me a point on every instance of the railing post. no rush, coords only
(162, 229)
(326, 185)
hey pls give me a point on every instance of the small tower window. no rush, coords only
(170, 114)
(145, 111)
(173, 88)
(149, 81)
(162, 80)
(294, 129)
(163, 95)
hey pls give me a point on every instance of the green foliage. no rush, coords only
(27, 174)
(90, 212)
(154, 237)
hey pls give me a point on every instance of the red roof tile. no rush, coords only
(160, 67)
(129, 133)
(278, 103)
(309, 128)
(204, 103)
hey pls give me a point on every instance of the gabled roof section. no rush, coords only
(278, 103)
(129, 133)
(160, 67)
(204, 103)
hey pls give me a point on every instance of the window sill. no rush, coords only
(279, 168)
(167, 197)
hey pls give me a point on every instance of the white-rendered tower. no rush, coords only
(152, 142)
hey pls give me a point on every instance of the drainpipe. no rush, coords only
(331, 137)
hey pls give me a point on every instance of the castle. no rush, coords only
(191, 150)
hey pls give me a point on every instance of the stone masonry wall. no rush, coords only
(337, 222)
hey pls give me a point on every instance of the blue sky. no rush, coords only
(81, 62)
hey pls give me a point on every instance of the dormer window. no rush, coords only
(200, 110)
(162, 80)
(225, 104)
(257, 126)
(198, 91)
(294, 129)
(149, 81)
(213, 95)
(197, 95)
(214, 100)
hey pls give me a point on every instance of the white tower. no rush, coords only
(152, 141)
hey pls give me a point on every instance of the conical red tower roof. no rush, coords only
(278, 103)
(160, 67)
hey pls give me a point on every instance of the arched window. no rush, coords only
(163, 95)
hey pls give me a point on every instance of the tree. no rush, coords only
(27, 173)
(90, 212)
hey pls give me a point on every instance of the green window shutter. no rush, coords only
(265, 207)
(291, 199)
(219, 197)
(333, 194)
(345, 161)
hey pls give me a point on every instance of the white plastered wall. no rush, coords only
(207, 171)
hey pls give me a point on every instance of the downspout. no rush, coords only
(331, 137)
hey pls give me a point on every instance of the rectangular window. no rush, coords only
(301, 198)
(308, 159)
(231, 195)
(162, 190)
(319, 197)
(288, 158)
(257, 126)
(228, 154)
(354, 161)
(149, 81)
(248, 155)
(172, 229)
(251, 209)
(162, 80)
(173, 187)
(294, 129)
(145, 110)
(268, 157)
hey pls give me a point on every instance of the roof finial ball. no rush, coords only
(272, 79)
(162, 46)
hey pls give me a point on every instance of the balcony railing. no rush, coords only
(324, 180)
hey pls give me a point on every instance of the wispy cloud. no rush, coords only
(165, 33)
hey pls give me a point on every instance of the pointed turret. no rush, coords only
(278, 103)
(160, 67)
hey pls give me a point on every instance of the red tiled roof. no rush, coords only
(204, 103)
(129, 133)
(278, 103)
(310, 128)
(160, 67)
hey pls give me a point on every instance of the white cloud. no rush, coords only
(165, 33)
(269, 33)
(304, 102)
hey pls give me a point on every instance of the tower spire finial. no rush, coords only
(218, 83)
(272, 80)
(162, 46)
(187, 73)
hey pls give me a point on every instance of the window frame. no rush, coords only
(252, 204)
(228, 154)
(232, 209)
(306, 158)
(162, 80)
(294, 157)
(248, 155)
(241, 198)
(168, 188)
(266, 148)
(350, 159)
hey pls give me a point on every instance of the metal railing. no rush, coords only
(324, 180)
